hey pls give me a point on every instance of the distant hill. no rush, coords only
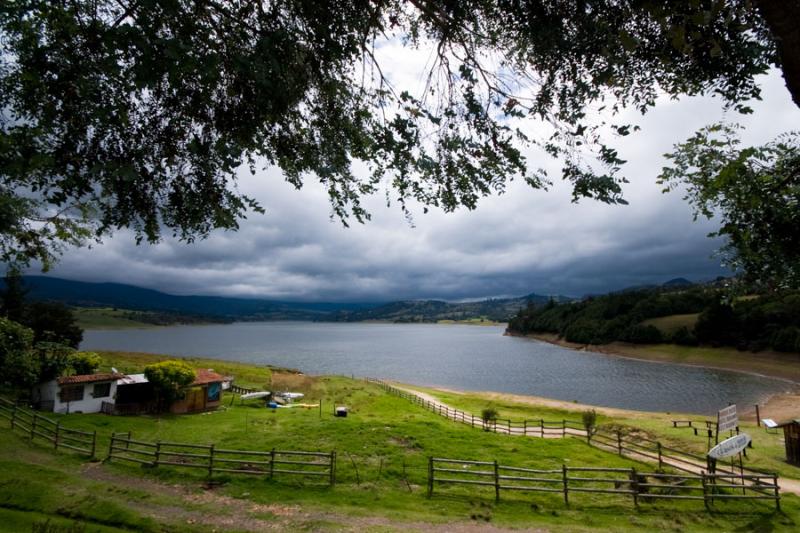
(500, 310)
(82, 294)
(677, 282)
(122, 296)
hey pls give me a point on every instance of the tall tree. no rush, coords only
(137, 113)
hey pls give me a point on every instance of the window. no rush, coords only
(101, 390)
(72, 393)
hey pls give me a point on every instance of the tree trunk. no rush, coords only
(783, 19)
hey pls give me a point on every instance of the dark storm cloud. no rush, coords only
(520, 242)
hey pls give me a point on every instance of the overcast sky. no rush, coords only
(520, 242)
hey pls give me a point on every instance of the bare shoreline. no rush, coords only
(780, 405)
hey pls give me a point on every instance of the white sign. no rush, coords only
(727, 419)
(730, 446)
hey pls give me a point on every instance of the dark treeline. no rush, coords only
(764, 322)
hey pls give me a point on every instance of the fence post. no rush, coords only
(635, 487)
(619, 441)
(473, 420)
(110, 446)
(33, 424)
(758, 417)
(430, 476)
(566, 490)
(777, 492)
(541, 426)
(660, 461)
(509, 425)
(94, 443)
(525, 427)
(333, 468)
(158, 453)
(496, 482)
(705, 489)
(271, 463)
(13, 416)
(58, 430)
(563, 429)
(211, 461)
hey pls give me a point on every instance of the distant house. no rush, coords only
(77, 394)
(204, 394)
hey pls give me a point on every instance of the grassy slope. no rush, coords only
(106, 318)
(245, 375)
(383, 436)
(767, 454)
(768, 363)
(669, 324)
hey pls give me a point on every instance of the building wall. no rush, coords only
(50, 398)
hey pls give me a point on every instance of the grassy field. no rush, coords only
(252, 376)
(670, 324)
(768, 451)
(382, 448)
(106, 318)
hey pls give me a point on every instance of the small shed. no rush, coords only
(204, 394)
(791, 437)
(78, 394)
(134, 396)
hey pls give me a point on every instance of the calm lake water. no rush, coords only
(457, 356)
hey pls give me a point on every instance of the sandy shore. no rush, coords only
(780, 406)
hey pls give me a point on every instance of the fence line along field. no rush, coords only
(384, 451)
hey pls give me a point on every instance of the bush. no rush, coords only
(683, 337)
(169, 378)
(641, 334)
(489, 414)
(786, 339)
(589, 418)
(85, 362)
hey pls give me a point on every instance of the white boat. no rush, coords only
(251, 395)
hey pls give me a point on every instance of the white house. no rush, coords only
(78, 394)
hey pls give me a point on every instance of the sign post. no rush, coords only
(727, 419)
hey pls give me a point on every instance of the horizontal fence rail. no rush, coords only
(530, 428)
(624, 444)
(39, 427)
(213, 460)
(628, 482)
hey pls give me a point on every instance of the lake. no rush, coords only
(456, 356)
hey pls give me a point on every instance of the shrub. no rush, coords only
(640, 334)
(169, 378)
(786, 339)
(684, 337)
(85, 362)
(589, 418)
(489, 414)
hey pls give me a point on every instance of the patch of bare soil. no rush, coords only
(209, 511)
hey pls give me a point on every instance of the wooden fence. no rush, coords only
(636, 447)
(36, 426)
(531, 428)
(638, 485)
(208, 457)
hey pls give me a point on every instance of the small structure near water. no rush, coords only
(791, 437)
(77, 394)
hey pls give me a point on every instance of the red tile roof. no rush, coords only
(204, 376)
(89, 378)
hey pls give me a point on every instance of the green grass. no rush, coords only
(246, 375)
(382, 447)
(670, 324)
(106, 318)
(768, 451)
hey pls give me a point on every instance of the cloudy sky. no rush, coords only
(520, 242)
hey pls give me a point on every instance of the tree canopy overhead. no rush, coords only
(137, 113)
